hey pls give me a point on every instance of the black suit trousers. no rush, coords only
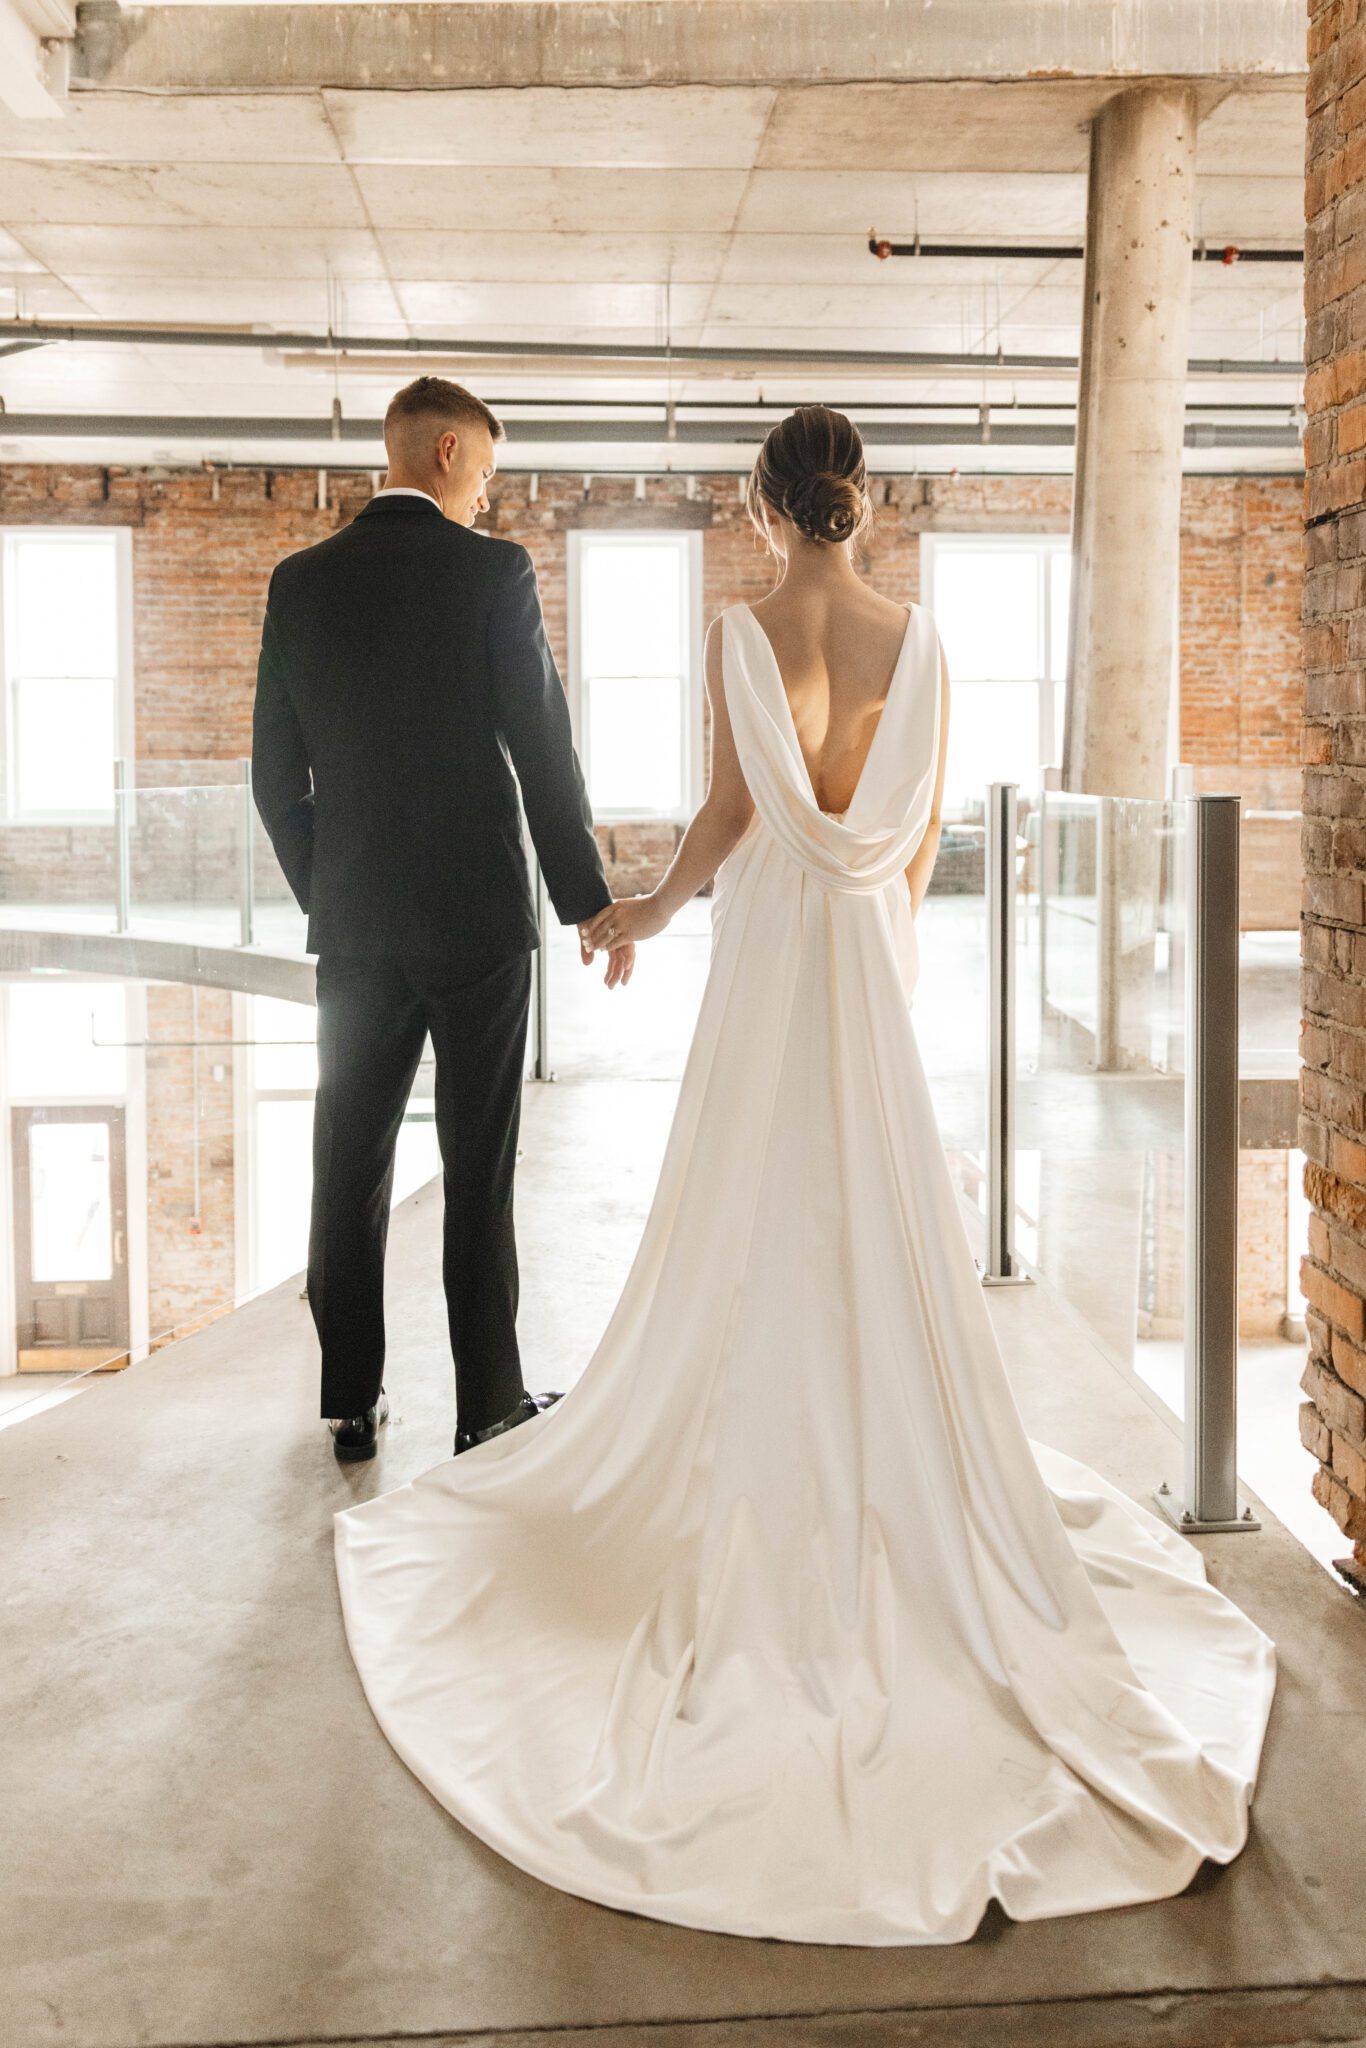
(374, 1017)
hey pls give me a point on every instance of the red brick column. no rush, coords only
(1333, 1033)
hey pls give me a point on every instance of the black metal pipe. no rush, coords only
(1227, 253)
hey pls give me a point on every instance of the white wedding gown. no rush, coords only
(778, 1623)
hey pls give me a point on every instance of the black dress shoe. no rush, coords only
(357, 1436)
(529, 1405)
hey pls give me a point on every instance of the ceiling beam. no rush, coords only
(521, 356)
(443, 44)
(35, 39)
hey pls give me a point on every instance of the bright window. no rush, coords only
(635, 676)
(65, 604)
(67, 1040)
(1000, 603)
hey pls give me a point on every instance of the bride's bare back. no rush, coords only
(836, 652)
(835, 646)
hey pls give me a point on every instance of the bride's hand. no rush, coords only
(624, 923)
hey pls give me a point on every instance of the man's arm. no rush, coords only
(282, 782)
(533, 717)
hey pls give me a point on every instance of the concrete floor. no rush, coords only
(209, 1841)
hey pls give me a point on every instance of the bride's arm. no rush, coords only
(715, 829)
(922, 866)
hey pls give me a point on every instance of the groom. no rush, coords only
(404, 675)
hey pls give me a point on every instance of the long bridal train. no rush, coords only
(778, 1623)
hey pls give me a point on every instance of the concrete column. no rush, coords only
(1130, 425)
(1126, 527)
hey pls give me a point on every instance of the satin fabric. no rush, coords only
(779, 1623)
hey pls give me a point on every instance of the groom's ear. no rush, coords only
(446, 446)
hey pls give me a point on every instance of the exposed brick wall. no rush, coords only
(191, 1260)
(204, 547)
(1263, 1223)
(1333, 1042)
(1240, 688)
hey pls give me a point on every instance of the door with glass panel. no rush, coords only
(71, 1237)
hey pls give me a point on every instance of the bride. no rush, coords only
(778, 1623)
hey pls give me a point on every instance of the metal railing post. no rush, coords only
(1211, 1178)
(123, 883)
(1050, 782)
(1002, 807)
(1177, 907)
(246, 860)
(541, 1065)
(1108, 936)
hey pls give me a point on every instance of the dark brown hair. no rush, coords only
(811, 470)
(443, 403)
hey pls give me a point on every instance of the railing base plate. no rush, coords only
(1001, 1279)
(1180, 1518)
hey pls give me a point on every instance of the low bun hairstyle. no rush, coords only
(811, 470)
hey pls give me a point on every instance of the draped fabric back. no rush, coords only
(870, 844)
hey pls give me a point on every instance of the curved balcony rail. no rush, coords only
(180, 883)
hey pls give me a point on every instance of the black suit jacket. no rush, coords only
(404, 675)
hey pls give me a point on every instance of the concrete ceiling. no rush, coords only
(701, 214)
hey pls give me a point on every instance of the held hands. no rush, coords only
(621, 958)
(618, 928)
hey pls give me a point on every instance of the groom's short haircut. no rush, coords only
(437, 403)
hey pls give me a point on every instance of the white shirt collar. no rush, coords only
(406, 491)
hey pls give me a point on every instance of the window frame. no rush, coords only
(120, 538)
(1044, 546)
(687, 542)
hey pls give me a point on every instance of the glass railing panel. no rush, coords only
(278, 924)
(185, 860)
(59, 870)
(641, 1032)
(1273, 1218)
(1100, 988)
(949, 1009)
(179, 854)
(1269, 1002)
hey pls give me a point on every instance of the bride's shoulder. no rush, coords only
(716, 624)
(712, 643)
